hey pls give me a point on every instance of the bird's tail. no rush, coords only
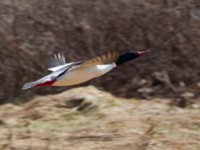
(40, 82)
(29, 85)
(45, 81)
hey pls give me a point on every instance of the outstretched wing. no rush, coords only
(58, 62)
(107, 58)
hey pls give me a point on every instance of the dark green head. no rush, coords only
(129, 56)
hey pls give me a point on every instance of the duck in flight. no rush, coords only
(66, 74)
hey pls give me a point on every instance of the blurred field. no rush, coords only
(89, 119)
(151, 103)
(31, 31)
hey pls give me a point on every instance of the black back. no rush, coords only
(126, 57)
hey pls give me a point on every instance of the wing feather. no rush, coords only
(56, 61)
(107, 58)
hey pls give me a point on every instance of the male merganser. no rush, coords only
(66, 74)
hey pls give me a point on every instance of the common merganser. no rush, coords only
(66, 74)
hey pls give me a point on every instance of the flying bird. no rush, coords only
(66, 74)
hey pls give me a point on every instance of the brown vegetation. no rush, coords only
(89, 119)
(31, 31)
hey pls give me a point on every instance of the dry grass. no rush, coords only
(98, 120)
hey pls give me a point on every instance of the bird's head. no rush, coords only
(130, 56)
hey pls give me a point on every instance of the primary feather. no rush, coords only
(56, 62)
(107, 58)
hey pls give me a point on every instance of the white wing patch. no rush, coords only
(105, 68)
(59, 67)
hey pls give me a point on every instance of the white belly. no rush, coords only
(77, 76)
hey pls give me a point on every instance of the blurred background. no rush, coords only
(32, 31)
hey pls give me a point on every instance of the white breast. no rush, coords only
(81, 75)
